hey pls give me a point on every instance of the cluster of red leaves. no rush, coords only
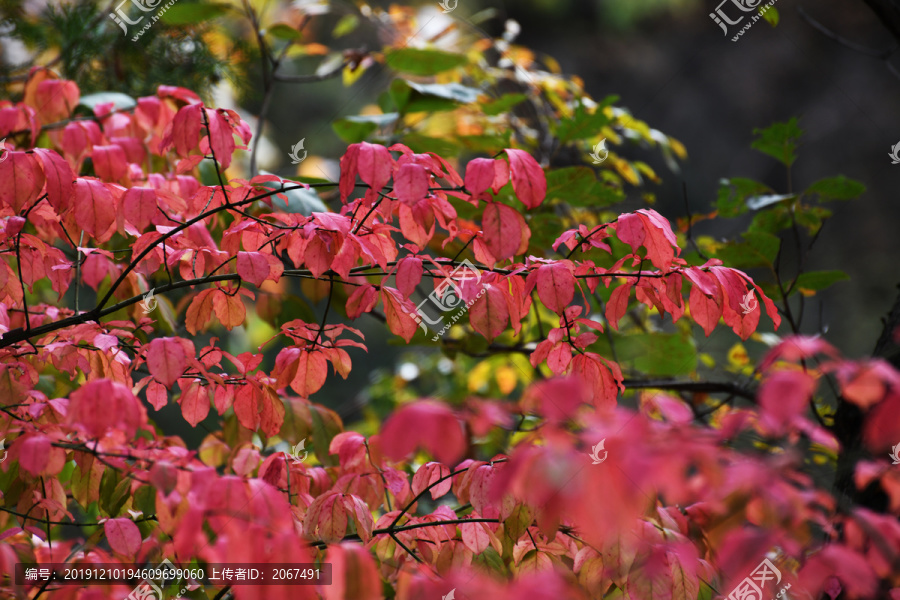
(672, 507)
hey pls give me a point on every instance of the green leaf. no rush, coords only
(779, 140)
(836, 188)
(417, 61)
(815, 281)
(283, 31)
(759, 250)
(145, 500)
(771, 15)
(410, 96)
(357, 128)
(657, 354)
(502, 104)
(582, 124)
(733, 194)
(574, 185)
(182, 13)
(346, 25)
(420, 144)
(486, 144)
(114, 491)
(119, 100)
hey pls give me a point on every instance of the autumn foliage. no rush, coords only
(681, 508)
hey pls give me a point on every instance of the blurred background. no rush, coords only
(668, 62)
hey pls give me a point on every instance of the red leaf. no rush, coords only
(253, 267)
(398, 311)
(184, 131)
(505, 231)
(354, 574)
(479, 175)
(411, 182)
(630, 230)
(139, 206)
(362, 300)
(123, 536)
(430, 473)
(617, 305)
(409, 275)
(109, 162)
(490, 313)
(34, 454)
(705, 310)
(221, 137)
(349, 163)
(425, 424)
(783, 397)
(195, 403)
(95, 209)
(312, 369)
(374, 165)
(528, 179)
(60, 179)
(229, 309)
(167, 359)
(555, 286)
(22, 180)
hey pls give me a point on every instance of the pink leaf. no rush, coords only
(505, 231)
(411, 183)
(374, 165)
(479, 175)
(253, 267)
(123, 536)
(139, 205)
(166, 359)
(409, 274)
(424, 424)
(528, 179)
(555, 286)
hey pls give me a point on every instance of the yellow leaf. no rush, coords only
(506, 379)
